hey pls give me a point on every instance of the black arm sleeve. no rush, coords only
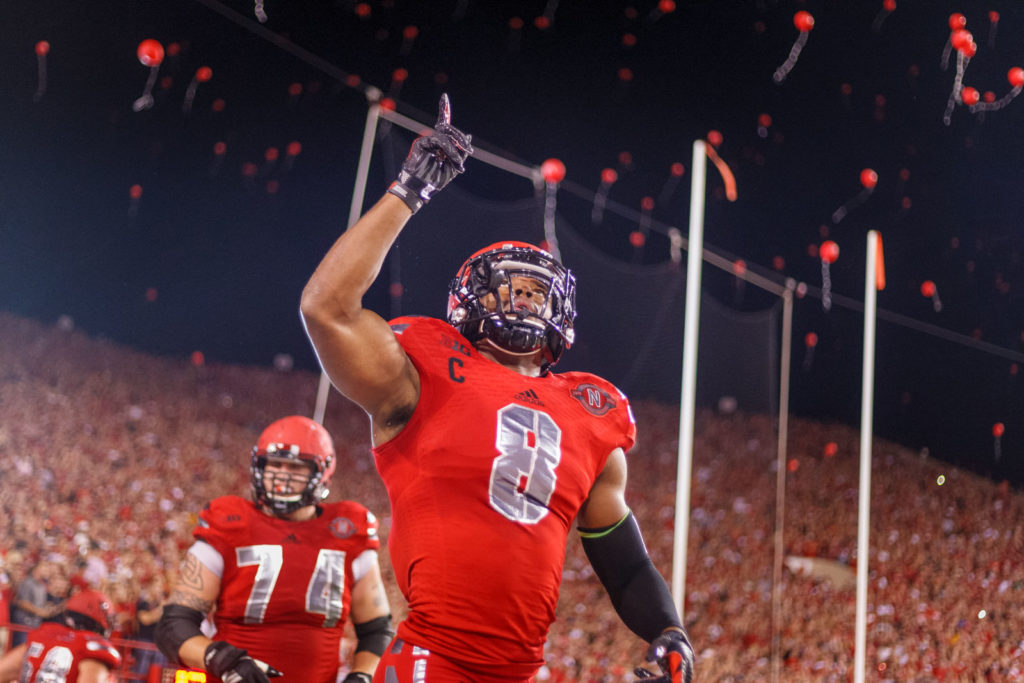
(637, 591)
(177, 624)
(374, 635)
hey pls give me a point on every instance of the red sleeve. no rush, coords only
(221, 521)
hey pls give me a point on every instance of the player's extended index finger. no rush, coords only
(444, 111)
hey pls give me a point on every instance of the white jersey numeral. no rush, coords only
(523, 475)
(324, 593)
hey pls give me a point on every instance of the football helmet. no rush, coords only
(298, 439)
(90, 610)
(484, 304)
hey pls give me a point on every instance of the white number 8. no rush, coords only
(523, 474)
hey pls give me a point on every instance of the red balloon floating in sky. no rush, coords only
(553, 171)
(202, 75)
(804, 22)
(150, 53)
(828, 252)
(868, 180)
(930, 291)
(42, 49)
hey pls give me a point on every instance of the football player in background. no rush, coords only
(283, 571)
(488, 456)
(71, 647)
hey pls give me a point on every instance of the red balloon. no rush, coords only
(399, 75)
(203, 74)
(969, 95)
(42, 48)
(135, 191)
(637, 239)
(667, 6)
(1015, 76)
(828, 251)
(150, 52)
(410, 32)
(960, 39)
(647, 203)
(831, 448)
(739, 266)
(997, 429)
(993, 16)
(677, 169)
(957, 21)
(220, 148)
(928, 289)
(971, 49)
(793, 465)
(764, 120)
(609, 176)
(868, 178)
(715, 138)
(294, 148)
(889, 5)
(271, 154)
(553, 170)
(810, 340)
(803, 21)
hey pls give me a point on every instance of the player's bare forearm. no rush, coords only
(346, 272)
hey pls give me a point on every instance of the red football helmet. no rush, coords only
(298, 439)
(94, 606)
(487, 274)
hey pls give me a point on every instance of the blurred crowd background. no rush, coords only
(107, 454)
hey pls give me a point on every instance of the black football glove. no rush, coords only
(433, 160)
(232, 665)
(358, 677)
(672, 651)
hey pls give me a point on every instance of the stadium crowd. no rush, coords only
(107, 455)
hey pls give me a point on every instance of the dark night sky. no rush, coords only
(227, 257)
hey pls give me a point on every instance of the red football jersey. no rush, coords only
(55, 651)
(287, 586)
(485, 481)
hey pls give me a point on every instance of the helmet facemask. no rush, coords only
(274, 490)
(517, 297)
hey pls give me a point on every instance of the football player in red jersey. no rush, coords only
(488, 456)
(69, 648)
(283, 571)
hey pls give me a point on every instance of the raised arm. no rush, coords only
(355, 346)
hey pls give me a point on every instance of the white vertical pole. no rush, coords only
(694, 262)
(355, 210)
(780, 476)
(864, 499)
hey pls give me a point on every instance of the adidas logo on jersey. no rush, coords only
(529, 396)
